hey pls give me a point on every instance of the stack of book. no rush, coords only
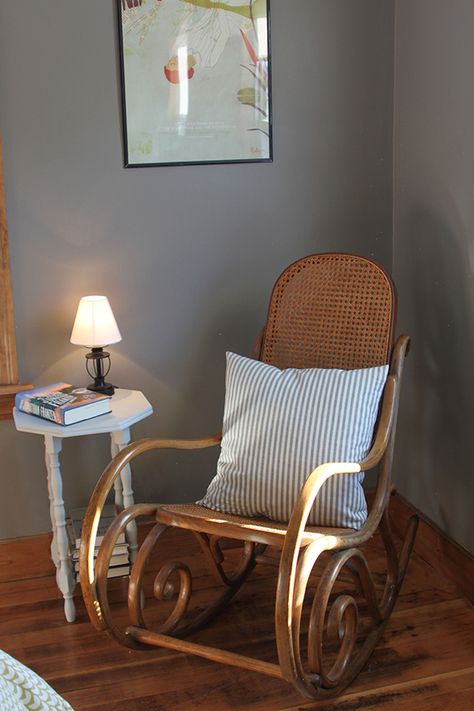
(119, 563)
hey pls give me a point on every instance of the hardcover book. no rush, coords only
(63, 403)
(107, 518)
(119, 571)
(119, 549)
(115, 562)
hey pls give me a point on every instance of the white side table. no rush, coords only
(128, 407)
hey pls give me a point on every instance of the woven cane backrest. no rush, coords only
(330, 311)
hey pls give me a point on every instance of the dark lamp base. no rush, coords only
(104, 388)
(98, 366)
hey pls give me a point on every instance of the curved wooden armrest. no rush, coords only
(112, 471)
(290, 554)
(105, 484)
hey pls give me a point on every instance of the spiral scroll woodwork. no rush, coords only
(164, 589)
(173, 582)
(341, 616)
(97, 589)
(336, 651)
(335, 618)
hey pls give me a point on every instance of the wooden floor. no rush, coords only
(425, 661)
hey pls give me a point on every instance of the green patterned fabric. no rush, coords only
(21, 688)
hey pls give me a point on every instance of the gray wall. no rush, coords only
(187, 255)
(434, 257)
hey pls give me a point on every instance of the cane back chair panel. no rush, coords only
(330, 311)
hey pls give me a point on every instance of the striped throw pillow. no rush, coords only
(281, 424)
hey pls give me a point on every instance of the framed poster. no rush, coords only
(196, 81)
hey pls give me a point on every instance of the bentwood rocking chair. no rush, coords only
(327, 311)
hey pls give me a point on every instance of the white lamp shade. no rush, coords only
(95, 324)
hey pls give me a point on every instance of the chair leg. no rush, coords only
(397, 563)
(211, 548)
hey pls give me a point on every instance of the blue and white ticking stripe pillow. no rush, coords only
(279, 425)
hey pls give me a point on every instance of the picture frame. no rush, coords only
(195, 81)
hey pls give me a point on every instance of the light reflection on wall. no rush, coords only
(183, 81)
(262, 38)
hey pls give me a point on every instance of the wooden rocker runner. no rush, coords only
(326, 311)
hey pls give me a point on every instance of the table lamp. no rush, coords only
(95, 327)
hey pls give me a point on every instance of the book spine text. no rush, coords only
(48, 412)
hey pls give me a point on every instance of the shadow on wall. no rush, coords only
(436, 437)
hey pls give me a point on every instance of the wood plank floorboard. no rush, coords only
(425, 660)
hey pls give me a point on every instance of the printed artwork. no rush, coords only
(196, 81)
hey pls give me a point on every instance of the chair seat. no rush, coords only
(259, 530)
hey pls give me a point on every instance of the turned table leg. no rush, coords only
(54, 545)
(60, 546)
(123, 487)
